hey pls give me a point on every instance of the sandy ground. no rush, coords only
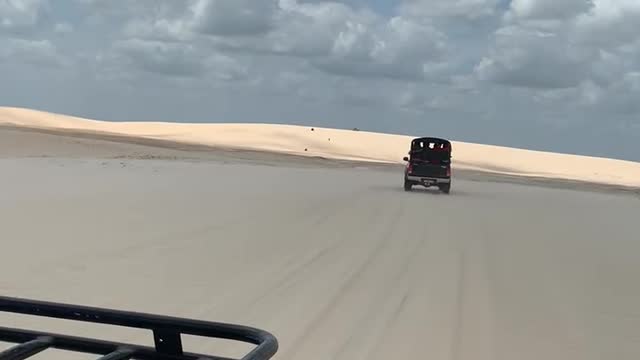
(337, 261)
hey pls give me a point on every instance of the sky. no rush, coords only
(552, 75)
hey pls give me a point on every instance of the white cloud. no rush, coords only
(549, 9)
(17, 15)
(556, 44)
(176, 59)
(160, 57)
(63, 28)
(34, 52)
(157, 28)
(234, 17)
(609, 23)
(449, 8)
(528, 58)
(397, 48)
(304, 30)
(332, 36)
(622, 96)
(345, 41)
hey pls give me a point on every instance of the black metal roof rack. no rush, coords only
(166, 332)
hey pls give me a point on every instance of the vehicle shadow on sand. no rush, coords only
(426, 191)
(432, 191)
(421, 191)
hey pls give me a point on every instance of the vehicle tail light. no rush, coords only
(448, 171)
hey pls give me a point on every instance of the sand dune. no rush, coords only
(341, 144)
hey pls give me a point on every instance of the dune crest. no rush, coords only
(340, 144)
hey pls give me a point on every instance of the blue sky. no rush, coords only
(540, 74)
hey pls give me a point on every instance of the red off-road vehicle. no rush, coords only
(428, 164)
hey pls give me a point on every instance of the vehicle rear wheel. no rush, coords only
(407, 186)
(445, 188)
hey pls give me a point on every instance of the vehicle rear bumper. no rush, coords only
(430, 179)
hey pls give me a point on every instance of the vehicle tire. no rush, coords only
(407, 186)
(445, 188)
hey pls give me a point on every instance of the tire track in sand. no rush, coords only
(355, 273)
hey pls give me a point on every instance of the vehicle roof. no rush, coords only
(431, 139)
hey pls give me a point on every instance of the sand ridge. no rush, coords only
(340, 144)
